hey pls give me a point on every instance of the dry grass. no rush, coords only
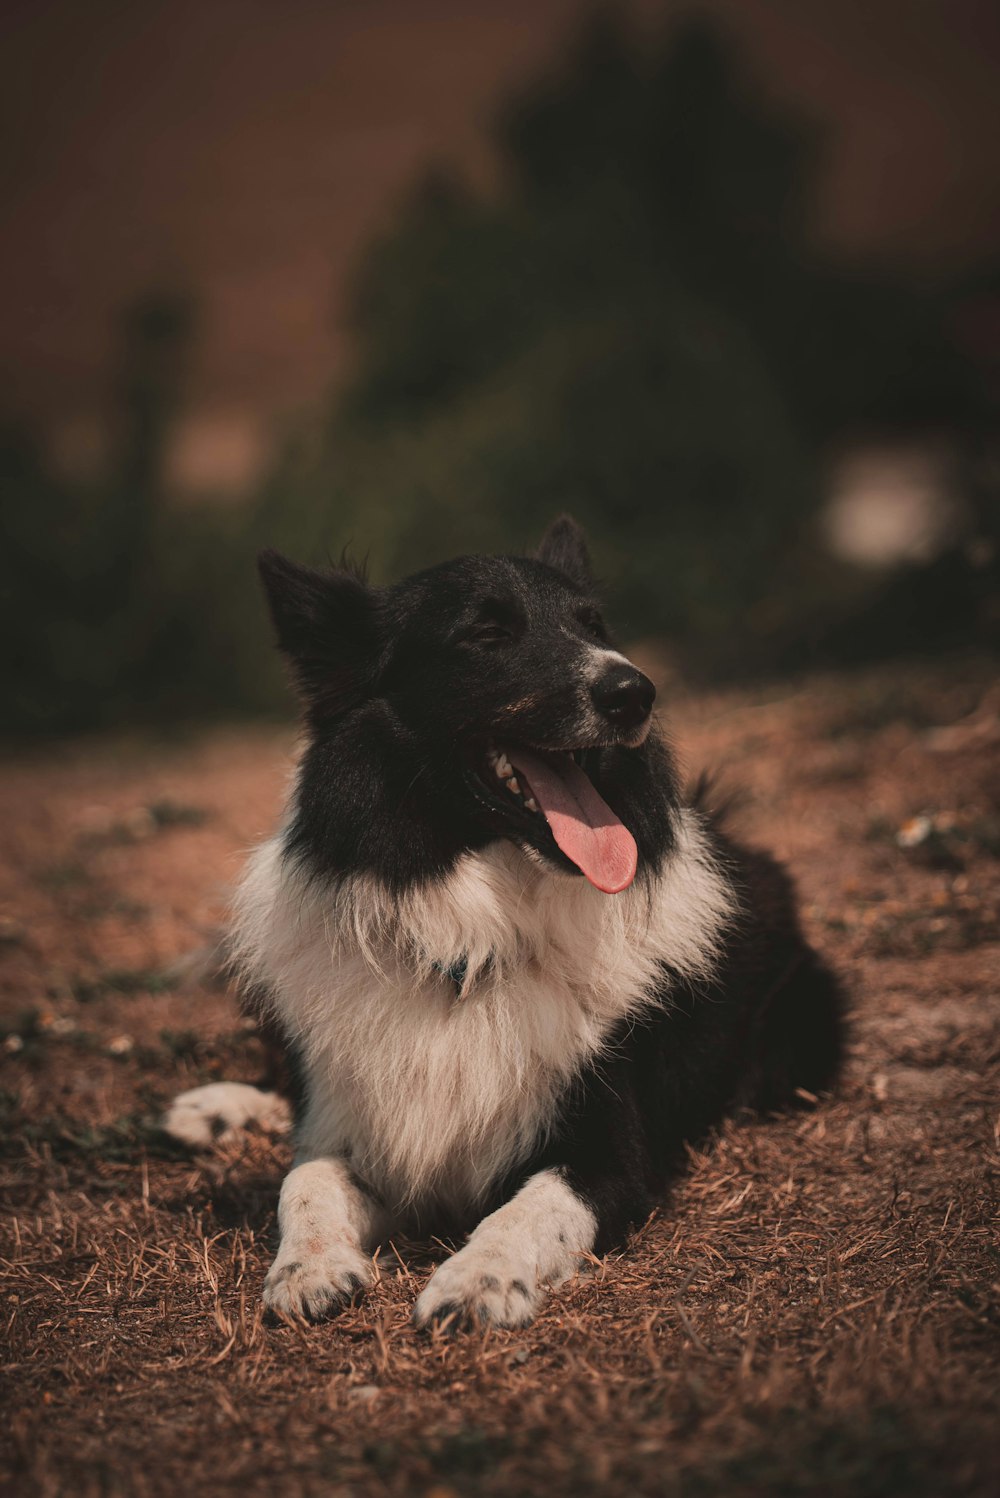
(814, 1312)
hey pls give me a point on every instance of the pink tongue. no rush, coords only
(583, 824)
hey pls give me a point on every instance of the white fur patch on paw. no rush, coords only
(475, 1287)
(501, 1275)
(317, 1285)
(204, 1115)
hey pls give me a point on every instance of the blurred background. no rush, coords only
(411, 276)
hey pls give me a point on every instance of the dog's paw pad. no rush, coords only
(463, 1293)
(319, 1286)
(205, 1115)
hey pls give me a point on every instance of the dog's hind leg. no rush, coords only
(221, 1109)
(797, 1043)
(204, 1115)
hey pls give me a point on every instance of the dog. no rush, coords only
(513, 969)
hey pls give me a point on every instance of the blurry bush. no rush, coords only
(116, 604)
(635, 327)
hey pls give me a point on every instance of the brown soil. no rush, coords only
(815, 1310)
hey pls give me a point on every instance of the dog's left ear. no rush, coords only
(327, 626)
(564, 547)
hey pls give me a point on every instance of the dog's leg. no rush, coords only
(329, 1226)
(500, 1277)
(218, 1111)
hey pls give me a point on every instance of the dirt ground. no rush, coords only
(814, 1311)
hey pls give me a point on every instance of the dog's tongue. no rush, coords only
(582, 823)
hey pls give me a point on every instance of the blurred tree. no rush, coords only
(81, 585)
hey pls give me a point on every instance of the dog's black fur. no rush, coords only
(765, 1033)
(404, 691)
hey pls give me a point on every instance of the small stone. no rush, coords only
(12, 933)
(914, 831)
(364, 1393)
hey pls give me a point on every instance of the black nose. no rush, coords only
(624, 696)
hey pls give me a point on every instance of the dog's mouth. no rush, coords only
(552, 803)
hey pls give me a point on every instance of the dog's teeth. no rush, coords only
(504, 768)
(531, 804)
(512, 785)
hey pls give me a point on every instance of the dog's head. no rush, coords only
(480, 699)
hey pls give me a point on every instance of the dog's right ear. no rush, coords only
(564, 547)
(326, 625)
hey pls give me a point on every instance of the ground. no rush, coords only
(814, 1310)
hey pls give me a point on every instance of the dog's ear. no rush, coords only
(564, 547)
(326, 624)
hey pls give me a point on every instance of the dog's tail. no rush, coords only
(220, 1110)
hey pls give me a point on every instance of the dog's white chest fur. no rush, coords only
(431, 1095)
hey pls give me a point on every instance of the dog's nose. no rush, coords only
(624, 696)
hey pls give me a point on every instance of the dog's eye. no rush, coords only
(593, 624)
(490, 632)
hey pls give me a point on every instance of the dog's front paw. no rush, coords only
(317, 1285)
(474, 1289)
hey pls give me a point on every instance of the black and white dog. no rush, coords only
(514, 969)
